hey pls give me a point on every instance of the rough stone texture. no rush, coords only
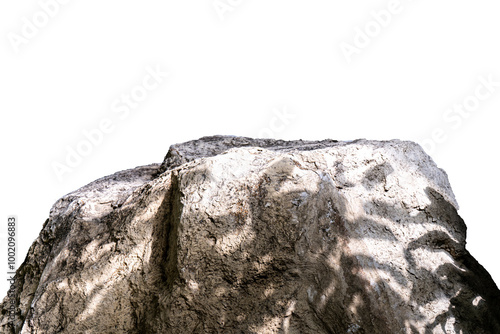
(235, 235)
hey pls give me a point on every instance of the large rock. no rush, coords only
(235, 235)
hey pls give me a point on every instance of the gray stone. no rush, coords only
(238, 235)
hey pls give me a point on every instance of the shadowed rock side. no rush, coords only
(229, 237)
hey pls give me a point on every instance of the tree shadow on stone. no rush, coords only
(280, 257)
(473, 297)
(295, 274)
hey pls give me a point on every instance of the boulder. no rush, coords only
(241, 235)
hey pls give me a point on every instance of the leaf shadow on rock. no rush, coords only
(294, 270)
(473, 297)
(290, 269)
(282, 260)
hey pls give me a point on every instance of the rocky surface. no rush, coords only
(235, 235)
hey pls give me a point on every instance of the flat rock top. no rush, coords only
(408, 153)
(215, 145)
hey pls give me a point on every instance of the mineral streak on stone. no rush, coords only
(238, 235)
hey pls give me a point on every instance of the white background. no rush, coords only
(231, 68)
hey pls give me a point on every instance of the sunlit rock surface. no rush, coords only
(235, 235)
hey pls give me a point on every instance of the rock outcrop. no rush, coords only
(237, 235)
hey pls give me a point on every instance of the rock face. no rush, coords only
(236, 235)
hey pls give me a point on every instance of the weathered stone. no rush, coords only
(236, 235)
